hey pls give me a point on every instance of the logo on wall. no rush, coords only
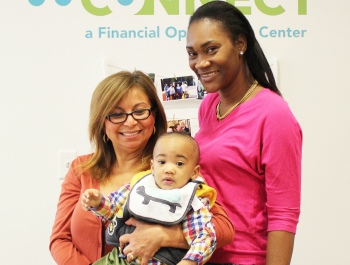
(40, 2)
(172, 7)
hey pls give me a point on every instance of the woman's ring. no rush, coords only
(131, 256)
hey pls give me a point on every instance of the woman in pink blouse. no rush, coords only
(249, 140)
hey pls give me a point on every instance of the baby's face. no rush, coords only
(173, 164)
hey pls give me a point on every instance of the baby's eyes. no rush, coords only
(179, 164)
(161, 162)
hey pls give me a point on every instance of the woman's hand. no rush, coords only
(147, 239)
(91, 198)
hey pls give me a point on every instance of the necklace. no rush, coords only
(249, 92)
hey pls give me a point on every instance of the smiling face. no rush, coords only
(131, 135)
(213, 57)
(174, 163)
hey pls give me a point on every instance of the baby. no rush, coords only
(172, 193)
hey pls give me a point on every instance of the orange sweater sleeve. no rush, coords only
(225, 231)
(62, 248)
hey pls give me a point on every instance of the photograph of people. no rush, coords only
(200, 90)
(172, 92)
(179, 125)
(167, 91)
(179, 90)
(185, 89)
(126, 120)
(250, 142)
(184, 128)
(182, 87)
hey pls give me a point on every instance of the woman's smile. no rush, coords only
(208, 76)
(130, 134)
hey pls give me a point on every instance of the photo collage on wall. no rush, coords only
(172, 88)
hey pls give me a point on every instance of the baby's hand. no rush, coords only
(91, 198)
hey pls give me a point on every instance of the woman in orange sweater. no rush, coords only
(126, 119)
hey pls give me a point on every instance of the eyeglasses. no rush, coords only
(140, 114)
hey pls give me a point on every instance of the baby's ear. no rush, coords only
(152, 167)
(195, 173)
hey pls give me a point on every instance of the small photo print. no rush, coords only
(183, 87)
(179, 125)
(201, 93)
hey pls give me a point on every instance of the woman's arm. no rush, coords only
(147, 239)
(279, 248)
(61, 246)
(224, 229)
(281, 157)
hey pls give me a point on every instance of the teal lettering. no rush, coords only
(246, 10)
(124, 34)
(116, 33)
(152, 34)
(88, 34)
(167, 32)
(101, 31)
(139, 34)
(132, 31)
(261, 34)
(281, 33)
(269, 10)
(182, 34)
(89, 7)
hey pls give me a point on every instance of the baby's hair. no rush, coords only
(191, 141)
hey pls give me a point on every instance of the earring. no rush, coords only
(241, 52)
(154, 129)
(105, 138)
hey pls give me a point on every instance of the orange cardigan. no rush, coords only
(78, 236)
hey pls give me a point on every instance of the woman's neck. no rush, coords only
(125, 167)
(127, 162)
(232, 94)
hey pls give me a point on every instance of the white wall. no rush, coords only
(48, 70)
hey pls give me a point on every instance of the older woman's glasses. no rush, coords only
(140, 114)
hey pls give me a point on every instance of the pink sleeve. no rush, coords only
(61, 246)
(281, 159)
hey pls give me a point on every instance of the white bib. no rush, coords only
(148, 202)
